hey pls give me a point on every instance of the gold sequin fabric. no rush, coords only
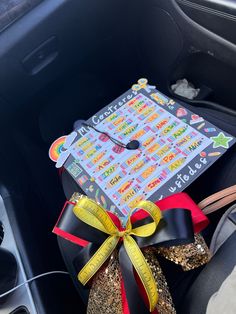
(105, 293)
(189, 256)
(165, 304)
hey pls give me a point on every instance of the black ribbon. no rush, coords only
(175, 228)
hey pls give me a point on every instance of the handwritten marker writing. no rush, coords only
(165, 149)
(130, 194)
(130, 161)
(125, 187)
(155, 182)
(116, 179)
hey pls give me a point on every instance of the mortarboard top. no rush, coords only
(175, 146)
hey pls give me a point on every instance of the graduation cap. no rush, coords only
(143, 145)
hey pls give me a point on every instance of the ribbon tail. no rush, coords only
(135, 301)
(189, 256)
(143, 270)
(98, 259)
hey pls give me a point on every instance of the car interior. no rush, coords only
(61, 61)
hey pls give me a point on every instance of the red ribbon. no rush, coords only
(179, 200)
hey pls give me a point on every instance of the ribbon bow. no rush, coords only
(143, 83)
(99, 232)
(96, 216)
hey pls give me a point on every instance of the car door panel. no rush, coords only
(223, 6)
(87, 37)
(220, 19)
(10, 11)
(205, 58)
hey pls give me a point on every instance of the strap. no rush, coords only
(218, 200)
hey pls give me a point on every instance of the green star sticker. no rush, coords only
(221, 140)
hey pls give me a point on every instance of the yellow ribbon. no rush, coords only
(96, 216)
